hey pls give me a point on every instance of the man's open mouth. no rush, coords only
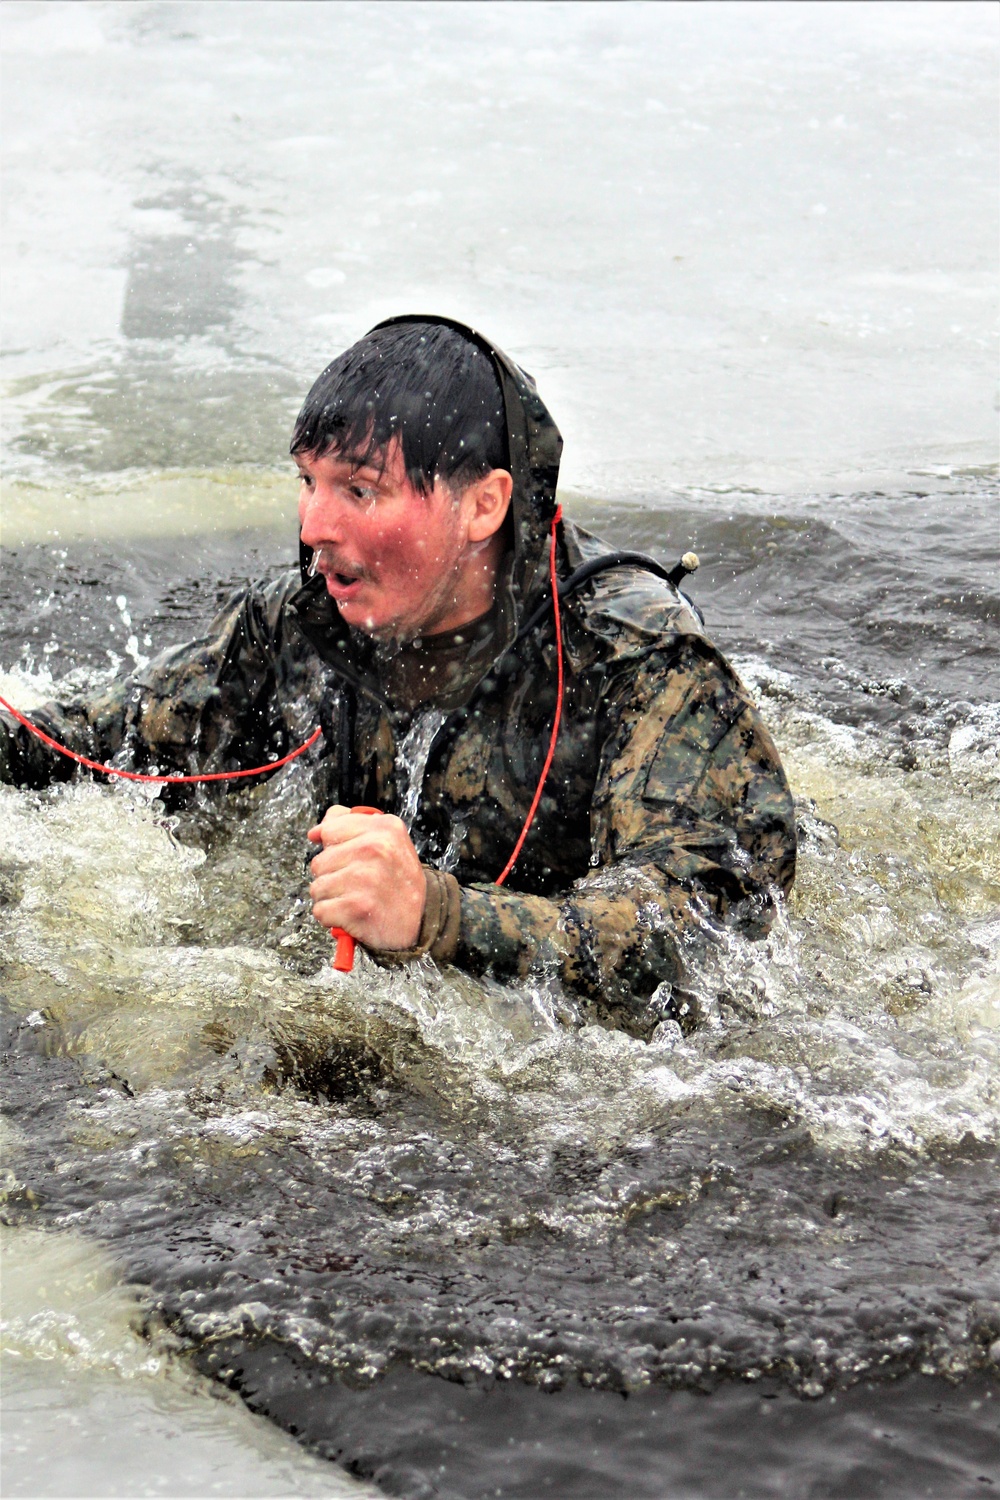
(336, 578)
(342, 585)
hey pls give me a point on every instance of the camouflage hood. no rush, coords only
(534, 446)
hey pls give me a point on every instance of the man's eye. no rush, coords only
(362, 492)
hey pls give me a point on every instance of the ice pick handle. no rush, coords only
(343, 958)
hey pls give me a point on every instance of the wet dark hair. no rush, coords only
(424, 383)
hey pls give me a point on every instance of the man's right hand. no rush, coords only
(368, 880)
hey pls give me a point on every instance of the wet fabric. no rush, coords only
(666, 809)
(440, 669)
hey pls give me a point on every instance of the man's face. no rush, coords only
(396, 563)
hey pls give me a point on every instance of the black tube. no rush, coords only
(596, 565)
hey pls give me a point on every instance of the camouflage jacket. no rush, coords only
(666, 807)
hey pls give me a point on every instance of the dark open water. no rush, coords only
(444, 1232)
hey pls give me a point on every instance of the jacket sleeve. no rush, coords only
(692, 823)
(207, 705)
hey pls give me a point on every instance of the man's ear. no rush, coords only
(486, 503)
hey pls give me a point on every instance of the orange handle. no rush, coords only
(343, 958)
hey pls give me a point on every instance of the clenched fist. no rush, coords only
(368, 879)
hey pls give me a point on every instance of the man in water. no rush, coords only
(419, 630)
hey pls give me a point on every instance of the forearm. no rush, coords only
(613, 946)
(25, 760)
(207, 705)
(150, 716)
(612, 938)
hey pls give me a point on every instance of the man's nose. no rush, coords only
(322, 517)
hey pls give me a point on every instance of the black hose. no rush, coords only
(610, 560)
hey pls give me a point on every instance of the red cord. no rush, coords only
(96, 765)
(554, 580)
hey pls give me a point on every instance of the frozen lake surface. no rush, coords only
(748, 244)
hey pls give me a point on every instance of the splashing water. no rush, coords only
(742, 1192)
(414, 750)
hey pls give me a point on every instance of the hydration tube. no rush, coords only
(557, 716)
